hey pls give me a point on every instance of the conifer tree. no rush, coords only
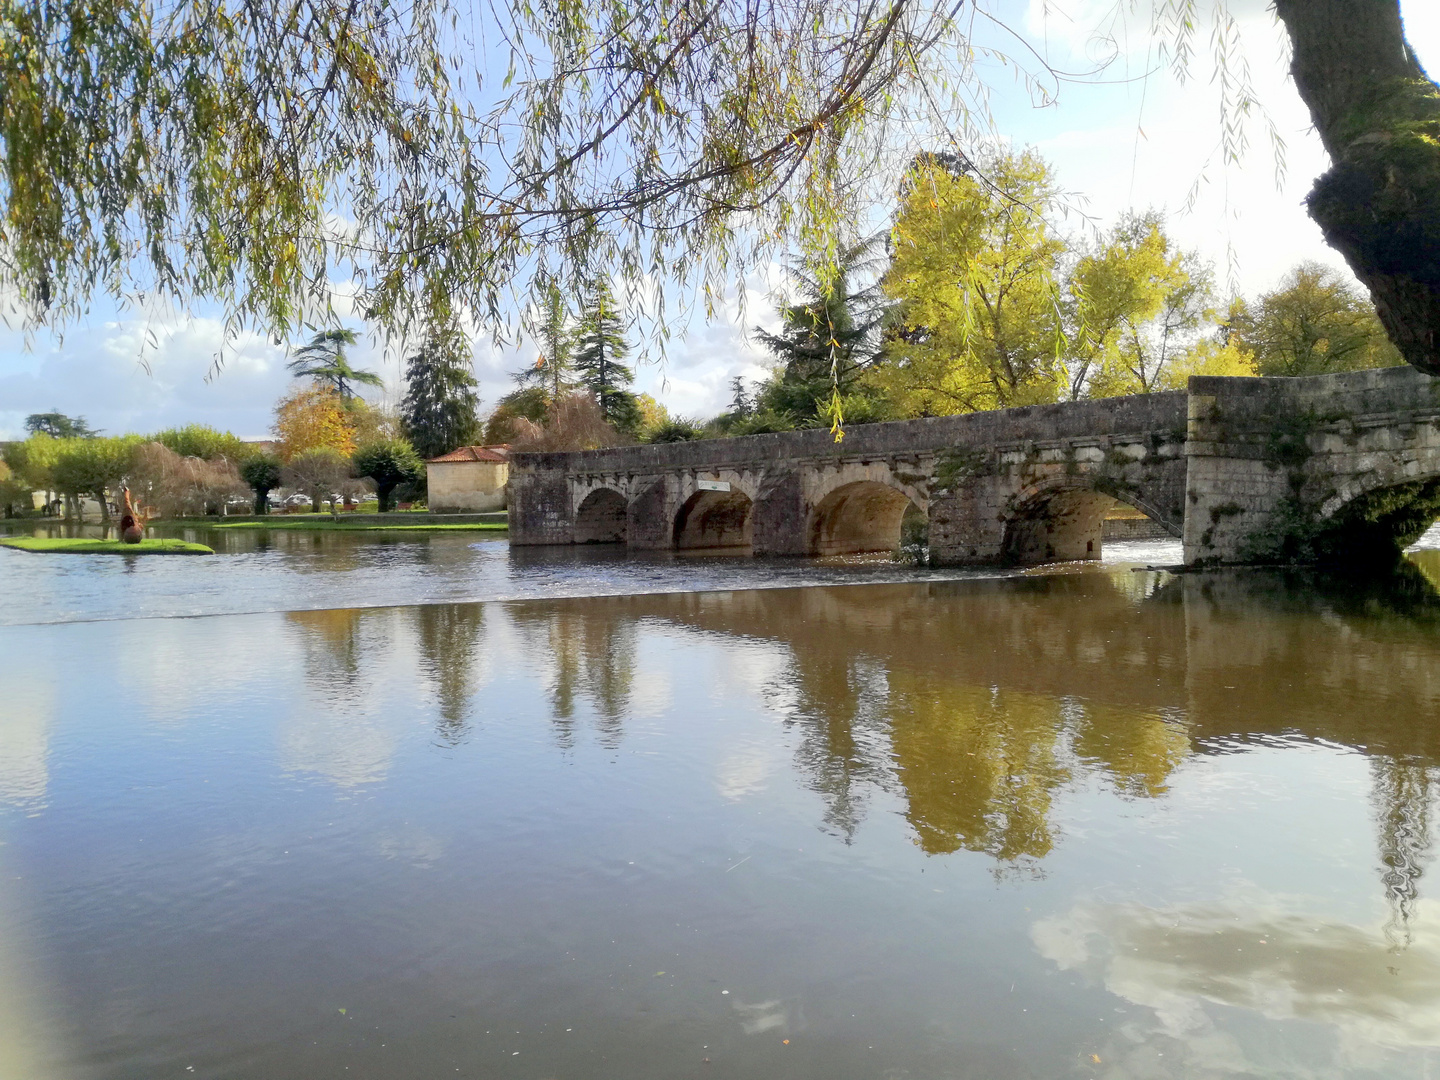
(600, 347)
(324, 360)
(553, 371)
(829, 332)
(438, 411)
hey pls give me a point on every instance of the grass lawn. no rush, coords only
(319, 524)
(88, 546)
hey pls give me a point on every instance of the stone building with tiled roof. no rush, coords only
(468, 480)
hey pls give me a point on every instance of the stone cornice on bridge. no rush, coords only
(1248, 469)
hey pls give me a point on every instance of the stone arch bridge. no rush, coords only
(1243, 470)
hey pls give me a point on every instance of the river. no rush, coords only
(716, 819)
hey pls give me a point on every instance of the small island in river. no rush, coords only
(93, 546)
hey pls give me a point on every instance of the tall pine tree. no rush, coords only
(439, 408)
(599, 348)
(553, 371)
(829, 332)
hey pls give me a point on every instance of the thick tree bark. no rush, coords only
(1379, 117)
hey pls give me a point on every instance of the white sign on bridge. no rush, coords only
(713, 485)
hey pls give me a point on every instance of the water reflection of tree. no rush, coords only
(449, 637)
(1135, 750)
(980, 765)
(338, 734)
(1402, 791)
(592, 657)
(840, 712)
(332, 647)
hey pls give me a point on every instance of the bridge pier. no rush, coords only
(1244, 470)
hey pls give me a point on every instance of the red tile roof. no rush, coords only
(476, 453)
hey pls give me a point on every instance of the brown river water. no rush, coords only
(1088, 822)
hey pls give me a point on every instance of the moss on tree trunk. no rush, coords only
(1379, 117)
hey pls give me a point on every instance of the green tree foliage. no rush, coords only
(243, 153)
(390, 463)
(324, 360)
(16, 494)
(676, 429)
(1138, 304)
(829, 334)
(599, 348)
(58, 426)
(975, 272)
(439, 410)
(199, 440)
(1315, 322)
(264, 474)
(92, 467)
(30, 461)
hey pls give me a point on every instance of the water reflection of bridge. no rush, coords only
(977, 703)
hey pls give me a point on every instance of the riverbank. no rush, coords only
(397, 519)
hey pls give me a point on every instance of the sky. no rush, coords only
(1117, 141)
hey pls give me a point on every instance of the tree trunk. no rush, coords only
(1379, 118)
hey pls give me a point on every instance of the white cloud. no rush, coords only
(143, 374)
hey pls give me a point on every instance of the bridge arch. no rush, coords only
(1057, 521)
(601, 518)
(715, 519)
(1381, 511)
(859, 516)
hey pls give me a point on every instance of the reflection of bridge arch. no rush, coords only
(714, 519)
(863, 515)
(600, 518)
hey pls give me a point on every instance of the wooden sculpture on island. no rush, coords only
(132, 527)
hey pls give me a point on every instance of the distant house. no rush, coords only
(469, 480)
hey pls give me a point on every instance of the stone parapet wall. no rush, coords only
(1036, 425)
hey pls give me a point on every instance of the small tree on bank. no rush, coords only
(263, 474)
(92, 467)
(180, 486)
(319, 473)
(15, 493)
(390, 463)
